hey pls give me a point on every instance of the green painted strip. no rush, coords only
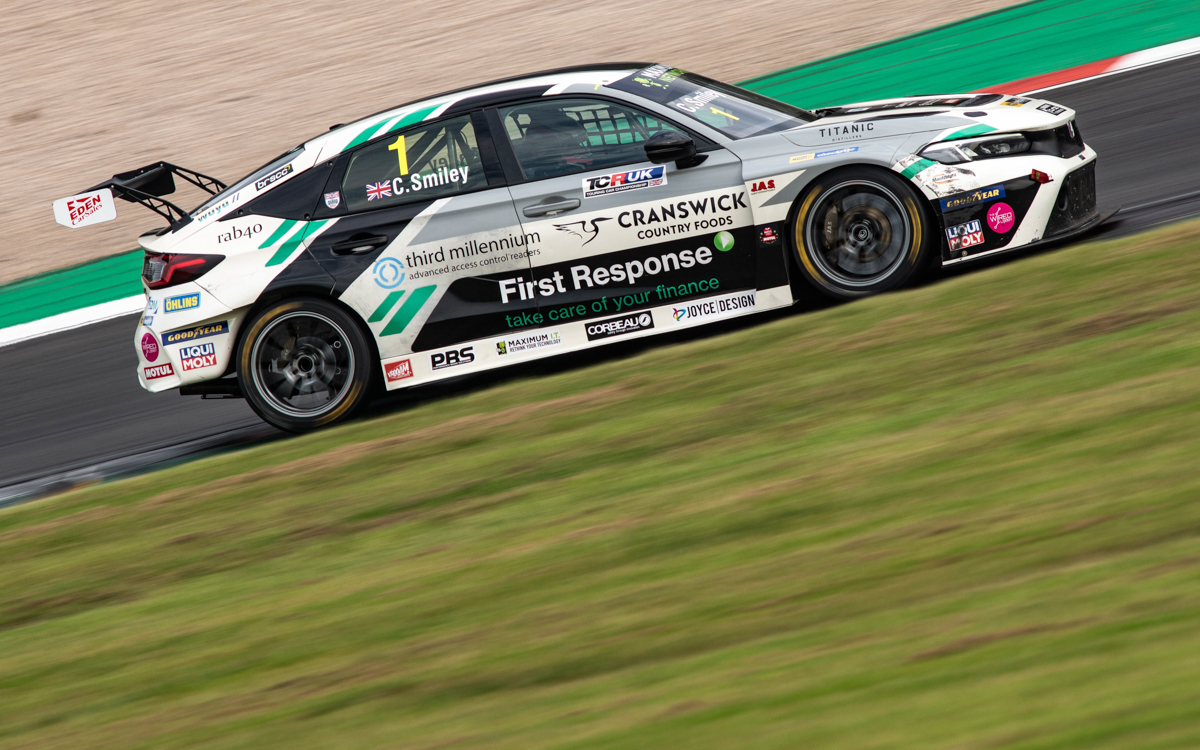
(970, 132)
(1011, 44)
(413, 117)
(367, 134)
(66, 289)
(918, 166)
(385, 307)
(408, 310)
(284, 252)
(278, 234)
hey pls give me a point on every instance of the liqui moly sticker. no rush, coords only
(197, 356)
(85, 208)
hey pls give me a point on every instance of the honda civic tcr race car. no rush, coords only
(564, 210)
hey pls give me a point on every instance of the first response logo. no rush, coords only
(620, 182)
(714, 307)
(182, 302)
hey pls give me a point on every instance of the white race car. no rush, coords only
(568, 209)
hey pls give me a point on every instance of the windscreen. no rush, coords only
(735, 112)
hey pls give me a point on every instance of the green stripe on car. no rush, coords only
(408, 310)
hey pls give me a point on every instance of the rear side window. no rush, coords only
(564, 136)
(422, 163)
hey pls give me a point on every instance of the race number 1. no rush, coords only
(401, 154)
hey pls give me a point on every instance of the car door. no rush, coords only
(425, 220)
(616, 233)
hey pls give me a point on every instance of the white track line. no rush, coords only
(73, 319)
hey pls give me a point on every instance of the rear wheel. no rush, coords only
(861, 231)
(304, 364)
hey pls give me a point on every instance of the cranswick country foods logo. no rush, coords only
(632, 323)
(158, 371)
(970, 199)
(713, 307)
(274, 177)
(528, 342)
(398, 370)
(197, 355)
(197, 332)
(182, 302)
(619, 182)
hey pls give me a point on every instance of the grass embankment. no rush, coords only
(960, 516)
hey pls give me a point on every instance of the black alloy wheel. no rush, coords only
(861, 231)
(304, 364)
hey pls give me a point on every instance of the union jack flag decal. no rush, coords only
(379, 190)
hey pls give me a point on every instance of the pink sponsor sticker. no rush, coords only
(149, 347)
(1001, 217)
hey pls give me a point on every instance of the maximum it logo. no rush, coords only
(412, 305)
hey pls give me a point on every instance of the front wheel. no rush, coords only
(861, 231)
(304, 364)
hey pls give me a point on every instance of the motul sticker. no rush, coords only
(85, 208)
(398, 370)
(158, 371)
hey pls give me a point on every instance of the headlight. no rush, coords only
(957, 152)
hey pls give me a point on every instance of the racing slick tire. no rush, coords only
(304, 363)
(861, 231)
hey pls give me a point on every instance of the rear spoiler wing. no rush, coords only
(144, 185)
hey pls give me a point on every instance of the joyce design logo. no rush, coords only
(388, 273)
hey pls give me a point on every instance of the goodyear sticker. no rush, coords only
(196, 332)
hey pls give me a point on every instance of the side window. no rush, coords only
(422, 163)
(563, 136)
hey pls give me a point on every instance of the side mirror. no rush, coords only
(668, 145)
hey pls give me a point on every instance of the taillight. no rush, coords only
(161, 270)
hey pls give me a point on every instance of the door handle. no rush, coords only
(359, 244)
(555, 205)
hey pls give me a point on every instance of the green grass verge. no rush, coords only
(960, 516)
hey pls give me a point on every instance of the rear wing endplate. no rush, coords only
(144, 185)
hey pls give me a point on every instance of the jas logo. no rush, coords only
(412, 305)
(585, 228)
(452, 357)
(620, 182)
(762, 186)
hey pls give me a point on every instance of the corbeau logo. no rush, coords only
(762, 186)
(274, 177)
(970, 199)
(452, 357)
(158, 371)
(198, 332)
(197, 356)
(398, 370)
(182, 302)
(616, 326)
(619, 182)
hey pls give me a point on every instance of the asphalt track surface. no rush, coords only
(76, 413)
